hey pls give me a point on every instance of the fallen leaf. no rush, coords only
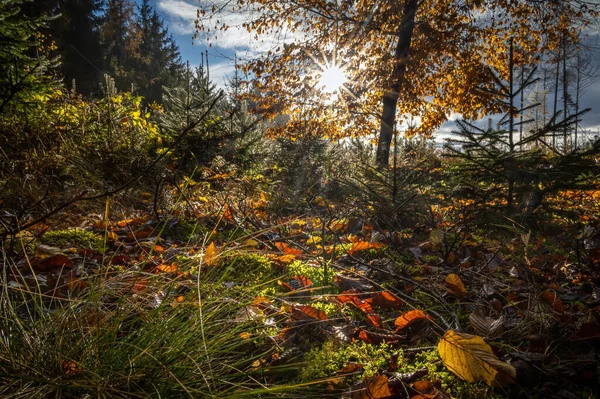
(376, 338)
(553, 300)
(164, 268)
(210, 255)
(386, 299)
(409, 318)
(313, 240)
(456, 285)
(297, 283)
(375, 387)
(363, 246)
(486, 326)
(308, 312)
(470, 358)
(56, 261)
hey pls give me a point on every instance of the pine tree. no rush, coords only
(157, 60)
(511, 165)
(23, 56)
(75, 31)
(118, 41)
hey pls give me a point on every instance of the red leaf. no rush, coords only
(409, 318)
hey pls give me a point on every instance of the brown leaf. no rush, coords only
(409, 318)
(486, 326)
(308, 312)
(376, 338)
(56, 261)
(456, 285)
(553, 300)
(375, 387)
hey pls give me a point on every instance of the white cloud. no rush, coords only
(181, 16)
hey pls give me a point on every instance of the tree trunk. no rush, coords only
(390, 97)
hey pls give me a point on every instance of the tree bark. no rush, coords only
(390, 97)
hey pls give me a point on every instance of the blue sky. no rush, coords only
(179, 16)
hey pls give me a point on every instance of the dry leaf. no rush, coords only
(486, 326)
(470, 358)
(386, 299)
(553, 300)
(456, 285)
(375, 387)
(409, 318)
(211, 254)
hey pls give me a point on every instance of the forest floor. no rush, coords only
(224, 297)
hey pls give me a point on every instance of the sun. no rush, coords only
(332, 79)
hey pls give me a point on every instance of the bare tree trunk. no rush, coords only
(390, 97)
(577, 94)
(565, 95)
(556, 96)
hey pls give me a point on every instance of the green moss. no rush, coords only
(332, 356)
(330, 309)
(246, 268)
(316, 274)
(74, 238)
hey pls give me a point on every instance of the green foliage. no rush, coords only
(245, 268)
(67, 145)
(332, 356)
(24, 76)
(119, 343)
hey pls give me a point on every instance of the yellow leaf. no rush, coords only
(210, 255)
(470, 358)
(245, 335)
(456, 285)
(313, 240)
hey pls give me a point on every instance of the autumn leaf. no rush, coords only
(164, 268)
(456, 285)
(308, 312)
(286, 249)
(298, 282)
(375, 387)
(386, 299)
(553, 300)
(363, 246)
(211, 255)
(409, 318)
(470, 358)
(56, 261)
(377, 338)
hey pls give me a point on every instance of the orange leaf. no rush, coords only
(286, 249)
(164, 268)
(409, 318)
(386, 299)
(553, 300)
(456, 285)
(211, 254)
(363, 246)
